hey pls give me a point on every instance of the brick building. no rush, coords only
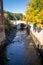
(2, 34)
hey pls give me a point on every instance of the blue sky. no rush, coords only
(16, 6)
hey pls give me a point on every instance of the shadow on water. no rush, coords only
(10, 34)
(2, 56)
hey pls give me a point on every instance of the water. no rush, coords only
(20, 52)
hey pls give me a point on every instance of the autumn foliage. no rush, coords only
(34, 12)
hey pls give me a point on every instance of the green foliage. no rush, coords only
(7, 23)
(14, 16)
(11, 16)
(19, 16)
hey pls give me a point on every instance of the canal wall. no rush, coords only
(37, 38)
(2, 38)
(2, 28)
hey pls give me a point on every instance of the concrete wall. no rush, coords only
(37, 38)
(2, 38)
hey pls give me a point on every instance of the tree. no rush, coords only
(34, 11)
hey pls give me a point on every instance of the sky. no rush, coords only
(15, 6)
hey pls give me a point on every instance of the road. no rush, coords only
(20, 52)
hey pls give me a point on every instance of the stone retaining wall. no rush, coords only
(37, 38)
(2, 38)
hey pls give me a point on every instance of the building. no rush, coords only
(2, 33)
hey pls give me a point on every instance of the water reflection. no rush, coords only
(20, 52)
(10, 34)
